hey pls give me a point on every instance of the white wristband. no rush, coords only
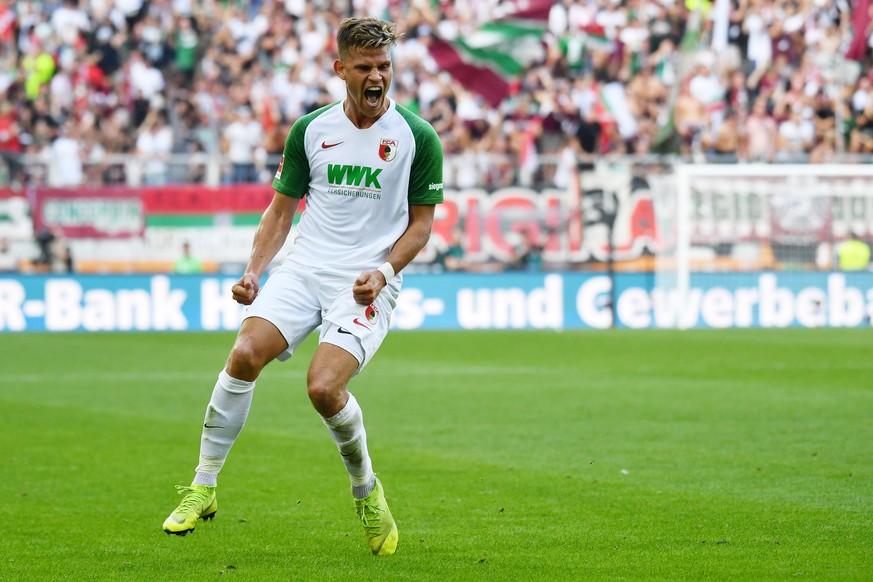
(387, 270)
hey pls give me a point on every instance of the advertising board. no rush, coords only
(556, 301)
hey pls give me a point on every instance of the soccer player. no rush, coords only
(372, 174)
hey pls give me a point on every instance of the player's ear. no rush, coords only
(339, 69)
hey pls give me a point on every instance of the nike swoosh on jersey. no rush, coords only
(327, 146)
(342, 330)
(364, 325)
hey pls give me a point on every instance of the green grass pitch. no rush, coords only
(698, 455)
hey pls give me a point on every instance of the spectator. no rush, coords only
(527, 252)
(452, 258)
(823, 151)
(796, 134)
(568, 163)
(186, 45)
(66, 155)
(759, 45)
(10, 141)
(240, 141)
(705, 86)
(863, 95)
(153, 146)
(690, 118)
(854, 254)
(8, 261)
(69, 22)
(94, 154)
(726, 143)
(146, 80)
(609, 74)
(45, 239)
(187, 264)
(825, 117)
(62, 259)
(760, 134)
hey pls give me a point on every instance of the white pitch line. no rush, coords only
(473, 370)
(117, 376)
(290, 374)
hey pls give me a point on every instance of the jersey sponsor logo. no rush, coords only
(435, 186)
(346, 175)
(281, 163)
(387, 149)
(327, 146)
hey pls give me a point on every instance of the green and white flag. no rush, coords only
(491, 57)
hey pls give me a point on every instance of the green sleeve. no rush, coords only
(292, 177)
(426, 175)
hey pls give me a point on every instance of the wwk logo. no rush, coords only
(346, 175)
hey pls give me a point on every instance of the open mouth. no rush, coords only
(373, 95)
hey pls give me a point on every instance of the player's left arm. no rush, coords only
(417, 233)
(425, 192)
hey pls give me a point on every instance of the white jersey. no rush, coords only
(358, 183)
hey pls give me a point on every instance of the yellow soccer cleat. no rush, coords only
(379, 526)
(199, 503)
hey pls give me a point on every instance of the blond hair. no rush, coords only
(365, 33)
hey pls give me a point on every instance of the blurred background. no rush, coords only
(671, 147)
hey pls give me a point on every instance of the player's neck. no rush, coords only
(360, 120)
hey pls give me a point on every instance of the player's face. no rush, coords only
(367, 73)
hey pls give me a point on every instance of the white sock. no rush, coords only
(347, 429)
(225, 416)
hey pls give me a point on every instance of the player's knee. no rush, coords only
(246, 361)
(323, 391)
(319, 389)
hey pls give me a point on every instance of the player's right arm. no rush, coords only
(270, 236)
(289, 186)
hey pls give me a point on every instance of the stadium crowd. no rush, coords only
(761, 80)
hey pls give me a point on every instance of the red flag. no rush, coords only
(860, 21)
(479, 79)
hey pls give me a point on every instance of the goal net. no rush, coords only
(759, 245)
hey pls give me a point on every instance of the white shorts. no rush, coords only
(299, 299)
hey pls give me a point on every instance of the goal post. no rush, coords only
(721, 223)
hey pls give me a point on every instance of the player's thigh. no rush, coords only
(359, 329)
(257, 343)
(331, 368)
(289, 301)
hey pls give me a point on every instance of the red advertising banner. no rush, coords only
(120, 212)
(92, 213)
(196, 199)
